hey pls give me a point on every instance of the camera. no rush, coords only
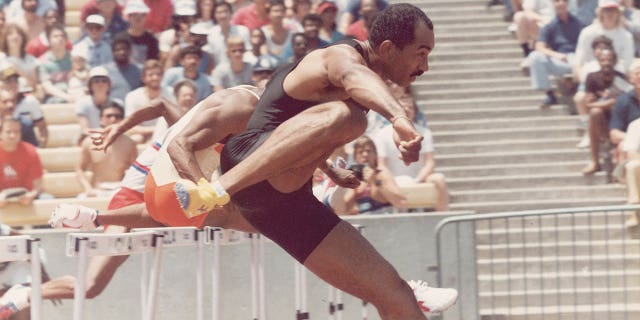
(357, 170)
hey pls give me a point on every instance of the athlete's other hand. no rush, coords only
(407, 140)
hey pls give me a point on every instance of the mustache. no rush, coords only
(417, 73)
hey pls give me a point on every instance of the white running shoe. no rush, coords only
(585, 142)
(14, 300)
(73, 216)
(433, 300)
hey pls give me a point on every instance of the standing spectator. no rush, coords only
(21, 166)
(185, 15)
(55, 66)
(417, 172)
(360, 28)
(626, 108)
(609, 23)
(112, 14)
(99, 49)
(189, 61)
(351, 12)
(534, 15)
(328, 12)
(222, 31)
(276, 34)
(311, 24)
(38, 46)
(603, 87)
(236, 71)
(554, 52)
(28, 19)
(125, 76)
(108, 167)
(205, 13)
(142, 97)
(198, 33)
(252, 16)
(14, 42)
(88, 107)
(159, 17)
(144, 44)
(26, 109)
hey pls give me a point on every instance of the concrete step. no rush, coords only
(477, 8)
(554, 192)
(495, 102)
(485, 26)
(584, 311)
(463, 84)
(526, 181)
(504, 134)
(484, 65)
(511, 145)
(460, 71)
(519, 205)
(559, 248)
(490, 112)
(472, 93)
(474, 36)
(445, 3)
(474, 45)
(443, 20)
(531, 156)
(506, 169)
(445, 54)
(482, 123)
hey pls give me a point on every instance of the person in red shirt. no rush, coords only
(21, 166)
(252, 16)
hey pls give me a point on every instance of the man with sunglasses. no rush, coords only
(108, 167)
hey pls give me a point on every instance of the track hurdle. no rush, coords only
(85, 245)
(22, 248)
(174, 237)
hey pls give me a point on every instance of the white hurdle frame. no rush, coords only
(23, 248)
(175, 237)
(85, 245)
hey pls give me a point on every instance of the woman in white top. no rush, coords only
(224, 29)
(276, 34)
(14, 43)
(204, 14)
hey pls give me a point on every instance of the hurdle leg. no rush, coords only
(332, 307)
(200, 276)
(152, 295)
(339, 304)
(254, 277)
(215, 277)
(296, 289)
(79, 289)
(144, 284)
(261, 285)
(36, 279)
(303, 292)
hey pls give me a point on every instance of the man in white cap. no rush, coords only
(183, 18)
(99, 50)
(88, 107)
(144, 44)
(198, 36)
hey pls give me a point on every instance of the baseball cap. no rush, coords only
(135, 6)
(200, 28)
(608, 4)
(98, 71)
(185, 8)
(324, 5)
(265, 63)
(95, 19)
(8, 72)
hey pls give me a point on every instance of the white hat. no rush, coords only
(95, 19)
(98, 71)
(608, 4)
(185, 8)
(80, 51)
(200, 28)
(135, 6)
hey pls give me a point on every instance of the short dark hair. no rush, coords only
(601, 39)
(121, 38)
(112, 105)
(184, 83)
(313, 18)
(57, 26)
(397, 23)
(8, 118)
(190, 50)
(273, 3)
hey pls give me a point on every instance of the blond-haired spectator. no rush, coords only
(236, 71)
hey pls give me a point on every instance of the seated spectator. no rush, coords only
(223, 30)
(185, 15)
(300, 46)
(88, 107)
(185, 97)
(14, 41)
(276, 34)
(252, 16)
(603, 87)
(125, 76)
(141, 97)
(300, 9)
(108, 166)
(417, 172)
(584, 10)
(328, 11)
(198, 33)
(28, 19)
(236, 71)
(360, 28)
(144, 45)
(609, 23)
(534, 15)
(159, 17)
(626, 108)
(628, 170)
(311, 24)
(26, 109)
(21, 166)
(16, 8)
(262, 70)
(99, 50)
(112, 14)
(189, 61)
(377, 192)
(38, 46)
(79, 74)
(554, 52)
(54, 67)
